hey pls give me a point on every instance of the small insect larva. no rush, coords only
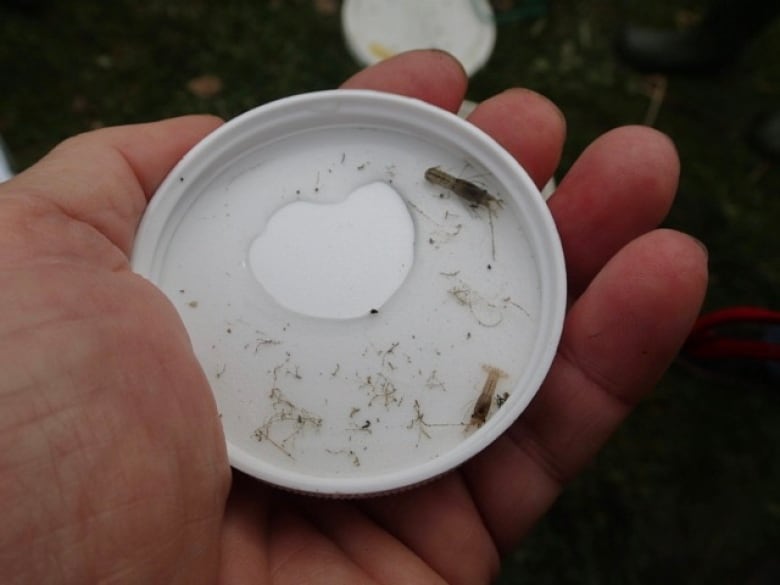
(482, 407)
(473, 194)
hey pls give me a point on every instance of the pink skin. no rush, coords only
(112, 463)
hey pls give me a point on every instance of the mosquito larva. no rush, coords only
(482, 407)
(473, 194)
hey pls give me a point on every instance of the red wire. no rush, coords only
(705, 341)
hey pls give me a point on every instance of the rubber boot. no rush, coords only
(717, 41)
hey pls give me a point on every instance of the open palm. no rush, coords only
(112, 459)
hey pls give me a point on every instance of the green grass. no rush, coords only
(689, 489)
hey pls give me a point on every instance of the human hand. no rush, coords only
(112, 460)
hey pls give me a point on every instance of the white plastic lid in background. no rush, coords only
(348, 312)
(5, 165)
(378, 29)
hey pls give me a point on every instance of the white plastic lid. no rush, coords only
(347, 311)
(378, 29)
(5, 165)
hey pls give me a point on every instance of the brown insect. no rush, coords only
(485, 400)
(473, 194)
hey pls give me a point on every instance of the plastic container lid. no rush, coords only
(377, 29)
(6, 172)
(363, 328)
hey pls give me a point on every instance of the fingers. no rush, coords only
(275, 536)
(432, 76)
(368, 544)
(104, 178)
(620, 187)
(442, 524)
(527, 125)
(619, 337)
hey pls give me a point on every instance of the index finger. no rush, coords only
(429, 75)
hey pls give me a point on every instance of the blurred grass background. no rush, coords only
(689, 490)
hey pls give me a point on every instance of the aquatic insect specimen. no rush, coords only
(474, 195)
(482, 406)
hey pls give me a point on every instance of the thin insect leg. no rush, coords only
(492, 236)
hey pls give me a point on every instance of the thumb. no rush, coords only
(105, 178)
